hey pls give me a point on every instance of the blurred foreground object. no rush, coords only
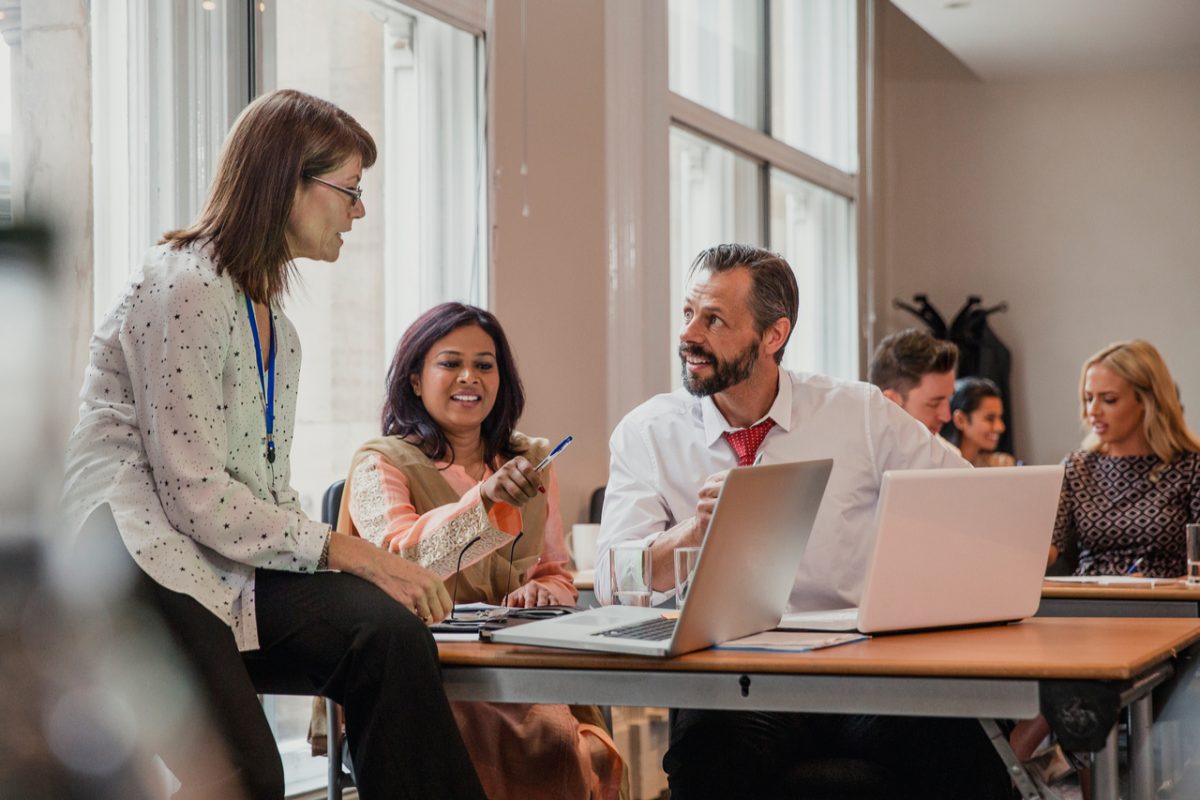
(88, 674)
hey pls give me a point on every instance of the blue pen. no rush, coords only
(558, 448)
(1133, 567)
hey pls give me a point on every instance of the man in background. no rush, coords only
(916, 372)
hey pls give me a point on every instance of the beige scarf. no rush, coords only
(486, 580)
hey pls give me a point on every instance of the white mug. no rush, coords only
(581, 544)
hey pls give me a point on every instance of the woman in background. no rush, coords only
(977, 422)
(451, 485)
(1135, 483)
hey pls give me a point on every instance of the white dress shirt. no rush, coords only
(664, 449)
(172, 437)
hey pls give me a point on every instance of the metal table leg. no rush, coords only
(1104, 769)
(1141, 749)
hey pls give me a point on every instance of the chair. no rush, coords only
(339, 778)
(596, 505)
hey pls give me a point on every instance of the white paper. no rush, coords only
(1112, 580)
(790, 641)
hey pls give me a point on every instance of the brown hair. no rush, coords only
(903, 358)
(404, 413)
(1140, 363)
(276, 142)
(773, 292)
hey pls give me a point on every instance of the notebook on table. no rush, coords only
(748, 562)
(953, 547)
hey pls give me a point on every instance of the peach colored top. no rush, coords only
(382, 510)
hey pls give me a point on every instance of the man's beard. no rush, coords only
(725, 374)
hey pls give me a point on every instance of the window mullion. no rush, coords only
(764, 33)
(760, 147)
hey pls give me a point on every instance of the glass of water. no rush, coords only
(630, 565)
(686, 559)
(1193, 554)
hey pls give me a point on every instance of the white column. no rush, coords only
(52, 175)
(638, 201)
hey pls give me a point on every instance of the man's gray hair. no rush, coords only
(773, 294)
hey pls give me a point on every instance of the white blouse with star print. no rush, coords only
(172, 437)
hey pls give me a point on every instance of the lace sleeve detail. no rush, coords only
(438, 551)
(367, 505)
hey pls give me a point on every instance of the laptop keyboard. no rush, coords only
(651, 630)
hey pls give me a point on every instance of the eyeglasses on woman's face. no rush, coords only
(354, 194)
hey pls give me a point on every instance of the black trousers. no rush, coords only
(735, 754)
(347, 640)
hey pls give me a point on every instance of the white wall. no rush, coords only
(1077, 201)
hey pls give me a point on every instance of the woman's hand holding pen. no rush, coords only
(516, 483)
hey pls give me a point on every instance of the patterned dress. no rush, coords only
(1117, 509)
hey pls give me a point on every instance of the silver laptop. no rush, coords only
(952, 547)
(748, 561)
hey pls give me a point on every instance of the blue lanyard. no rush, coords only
(267, 385)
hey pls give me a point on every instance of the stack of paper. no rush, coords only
(791, 641)
(1112, 580)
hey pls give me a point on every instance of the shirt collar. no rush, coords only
(715, 424)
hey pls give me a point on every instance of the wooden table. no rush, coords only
(1087, 669)
(1173, 599)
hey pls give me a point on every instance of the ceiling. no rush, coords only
(1023, 39)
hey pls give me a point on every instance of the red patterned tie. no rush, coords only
(746, 441)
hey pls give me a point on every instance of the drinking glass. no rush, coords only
(630, 564)
(686, 559)
(1193, 554)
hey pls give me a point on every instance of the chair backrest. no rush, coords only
(331, 503)
(596, 505)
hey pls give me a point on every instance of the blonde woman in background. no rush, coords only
(1135, 483)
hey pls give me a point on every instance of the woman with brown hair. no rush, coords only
(977, 423)
(1135, 483)
(453, 486)
(185, 433)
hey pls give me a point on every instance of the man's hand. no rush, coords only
(515, 483)
(707, 502)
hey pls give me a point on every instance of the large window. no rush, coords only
(168, 79)
(6, 130)
(764, 150)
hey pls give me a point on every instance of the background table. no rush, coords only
(1175, 599)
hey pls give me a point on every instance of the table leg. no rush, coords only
(1016, 770)
(1141, 749)
(1105, 784)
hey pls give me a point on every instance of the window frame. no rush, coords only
(771, 153)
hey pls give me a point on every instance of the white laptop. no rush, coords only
(747, 565)
(952, 547)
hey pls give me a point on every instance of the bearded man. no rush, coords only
(670, 456)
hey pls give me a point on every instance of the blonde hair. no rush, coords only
(1139, 362)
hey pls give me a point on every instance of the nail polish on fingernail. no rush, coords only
(542, 489)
